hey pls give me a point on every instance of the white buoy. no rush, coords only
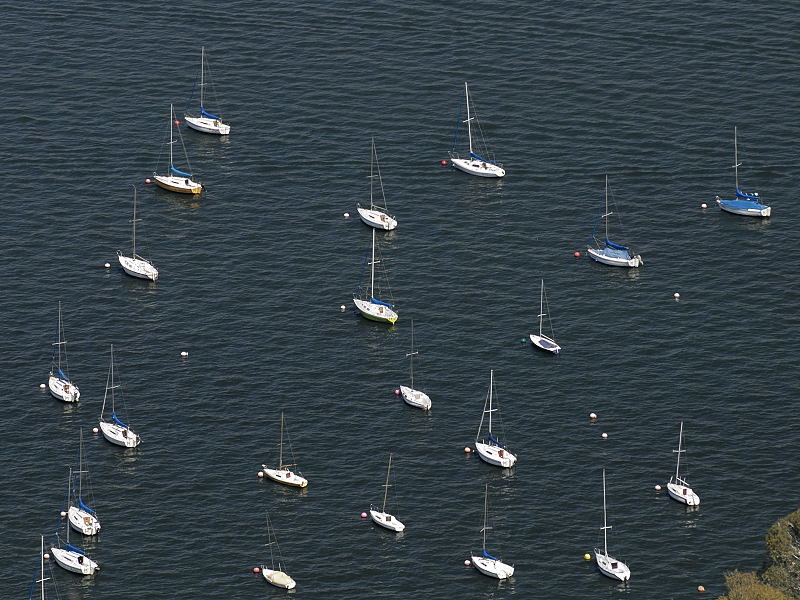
(704, 205)
(184, 354)
(605, 435)
(658, 488)
(46, 556)
(467, 563)
(346, 215)
(467, 449)
(42, 386)
(107, 265)
(261, 474)
(677, 296)
(342, 308)
(592, 416)
(95, 430)
(63, 514)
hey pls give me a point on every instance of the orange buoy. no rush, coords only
(363, 515)
(256, 570)
(576, 254)
(444, 163)
(147, 181)
(177, 122)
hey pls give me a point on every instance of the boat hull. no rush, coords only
(82, 521)
(375, 312)
(285, 476)
(492, 567)
(377, 219)
(206, 125)
(63, 390)
(477, 167)
(598, 256)
(278, 578)
(611, 567)
(494, 455)
(744, 208)
(683, 494)
(138, 267)
(415, 398)
(121, 436)
(74, 561)
(182, 185)
(386, 520)
(545, 343)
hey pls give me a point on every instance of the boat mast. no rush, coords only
(607, 214)
(42, 578)
(371, 175)
(541, 308)
(69, 494)
(411, 354)
(485, 510)
(80, 466)
(491, 385)
(678, 452)
(736, 156)
(202, 73)
(133, 226)
(280, 446)
(386, 485)
(605, 527)
(171, 141)
(372, 268)
(469, 119)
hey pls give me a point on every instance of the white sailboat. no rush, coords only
(541, 340)
(745, 204)
(115, 430)
(176, 180)
(474, 164)
(274, 573)
(609, 566)
(205, 121)
(489, 447)
(365, 300)
(81, 517)
(381, 517)
(134, 265)
(71, 557)
(411, 396)
(608, 252)
(678, 488)
(283, 474)
(60, 385)
(484, 562)
(376, 215)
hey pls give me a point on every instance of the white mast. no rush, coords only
(469, 119)
(491, 385)
(605, 527)
(133, 226)
(386, 485)
(678, 452)
(541, 308)
(171, 141)
(280, 450)
(42, 578)
(372, 268)
(736, 157)
(202, 73)
(485, 510)
(411, 354)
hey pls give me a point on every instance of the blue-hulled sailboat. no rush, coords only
(205, 121)
(474, 163)
(608, 252)
(746, 205)
(176, 180)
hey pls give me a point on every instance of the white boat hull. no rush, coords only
(63, 390)
(611, 567)
(278, 578)
(494, 455)
(375, 312)
(477, 167)
(285, 476)
(634, 262)
(415, 398)
(492, 567)
(138, 267)
(74, 561)
(121, 436)
(545, 343)
(182, 185)
(754, 211)
(386, 520)
(82, 521)
(377, 219)
(683, 494)
(206, 125)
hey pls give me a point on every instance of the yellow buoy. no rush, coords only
(587, 556)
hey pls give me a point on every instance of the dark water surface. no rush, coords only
(254, 271)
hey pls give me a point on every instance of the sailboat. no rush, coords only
(474, 164)
(413, 397)
(381, 517)
(82, 518)
(365, 300)
(608, 252)
(274, 573)
(59, 383)
(205, 121)
(489, 447)
(748, 205)
(376, 215)
(484, 562)
(135, 265)
(115, 431)
(678, 488)
(71, 557)
(176, 180)
(282, 474)
(610, 567)
(541, 340)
